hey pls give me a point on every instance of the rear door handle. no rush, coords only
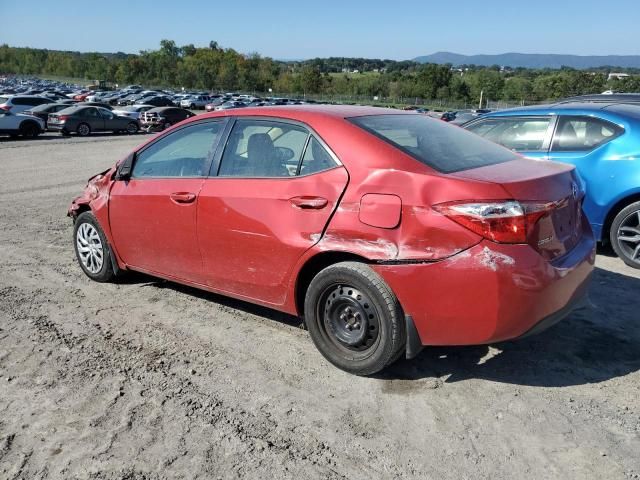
(309, 203)
(183, 197)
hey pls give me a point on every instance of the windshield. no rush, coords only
(443, 147)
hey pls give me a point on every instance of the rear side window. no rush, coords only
(260, 148)
(519, 134)
(4, 99)
(316, 158)
(443, 147)
(580, 134)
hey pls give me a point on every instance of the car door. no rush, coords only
(529, 136)
(111, 121)
(153, 214)
(275, 191)
(91, 116)
(584, 141)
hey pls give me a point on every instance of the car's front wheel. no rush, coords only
(132, 128)
(92, 250)
(354, 318)
(625, 235)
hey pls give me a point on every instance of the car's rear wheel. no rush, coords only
(166, 125)
(29, 130)
(354, 318)
(132, 128)
(84, 130)
(92, 250)
(625, 235)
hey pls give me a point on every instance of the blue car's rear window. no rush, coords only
(443, 147)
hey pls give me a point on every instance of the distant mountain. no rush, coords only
(533, 60)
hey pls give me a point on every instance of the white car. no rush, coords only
(195, 101)
(20, 103)
(18, 124)
(132, 111)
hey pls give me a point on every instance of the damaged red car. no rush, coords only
(386, 231)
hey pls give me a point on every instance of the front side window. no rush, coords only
(260, 148)
(519, 134)
(185, 153)
(579, 134)
(443, 147)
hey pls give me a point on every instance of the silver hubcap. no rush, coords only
(83, 130)
(629, 236)
(90, 248)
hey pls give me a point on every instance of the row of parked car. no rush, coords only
(30, 107)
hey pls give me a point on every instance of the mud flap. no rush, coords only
(414, 344)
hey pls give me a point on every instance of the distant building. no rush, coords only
(618, 76)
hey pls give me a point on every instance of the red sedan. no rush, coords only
(385, 230)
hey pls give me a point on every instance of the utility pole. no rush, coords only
(481, 95)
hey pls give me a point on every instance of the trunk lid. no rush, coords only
(555, 185)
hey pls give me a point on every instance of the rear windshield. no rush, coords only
(443, 147)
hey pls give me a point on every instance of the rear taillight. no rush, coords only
(63, 118)
(499, 221)
(5, 108)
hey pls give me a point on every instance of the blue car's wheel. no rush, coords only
(625, 235)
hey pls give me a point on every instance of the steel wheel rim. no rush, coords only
(349, 318)
(90, 249)
(629, 236)
(83, 130)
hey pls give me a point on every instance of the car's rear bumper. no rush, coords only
(491, 292)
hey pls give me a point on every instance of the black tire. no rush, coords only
(65, 133)
(166, 125)
(625, 235)
(105, 272)
(83, 130)
(132, 128)
(354, 318)
(29, 129)
(193, 106)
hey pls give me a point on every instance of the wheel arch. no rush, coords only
(315, 265)
(614, 210)
(28, 121)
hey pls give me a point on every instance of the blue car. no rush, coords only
(602, 140)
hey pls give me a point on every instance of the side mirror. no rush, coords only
(124, 170)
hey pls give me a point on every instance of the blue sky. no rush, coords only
(301, 29)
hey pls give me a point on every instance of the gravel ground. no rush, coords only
(151, 380)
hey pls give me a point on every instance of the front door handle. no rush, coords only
(309, 203)
(183, 197)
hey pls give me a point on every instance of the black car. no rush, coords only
(157, 101)
(96, 104)
(43, 111)
(158, 119)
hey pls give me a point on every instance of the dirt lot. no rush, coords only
(151, 380)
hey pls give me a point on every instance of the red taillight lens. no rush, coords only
(5, 108)
(499, 221)
(63, 118)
